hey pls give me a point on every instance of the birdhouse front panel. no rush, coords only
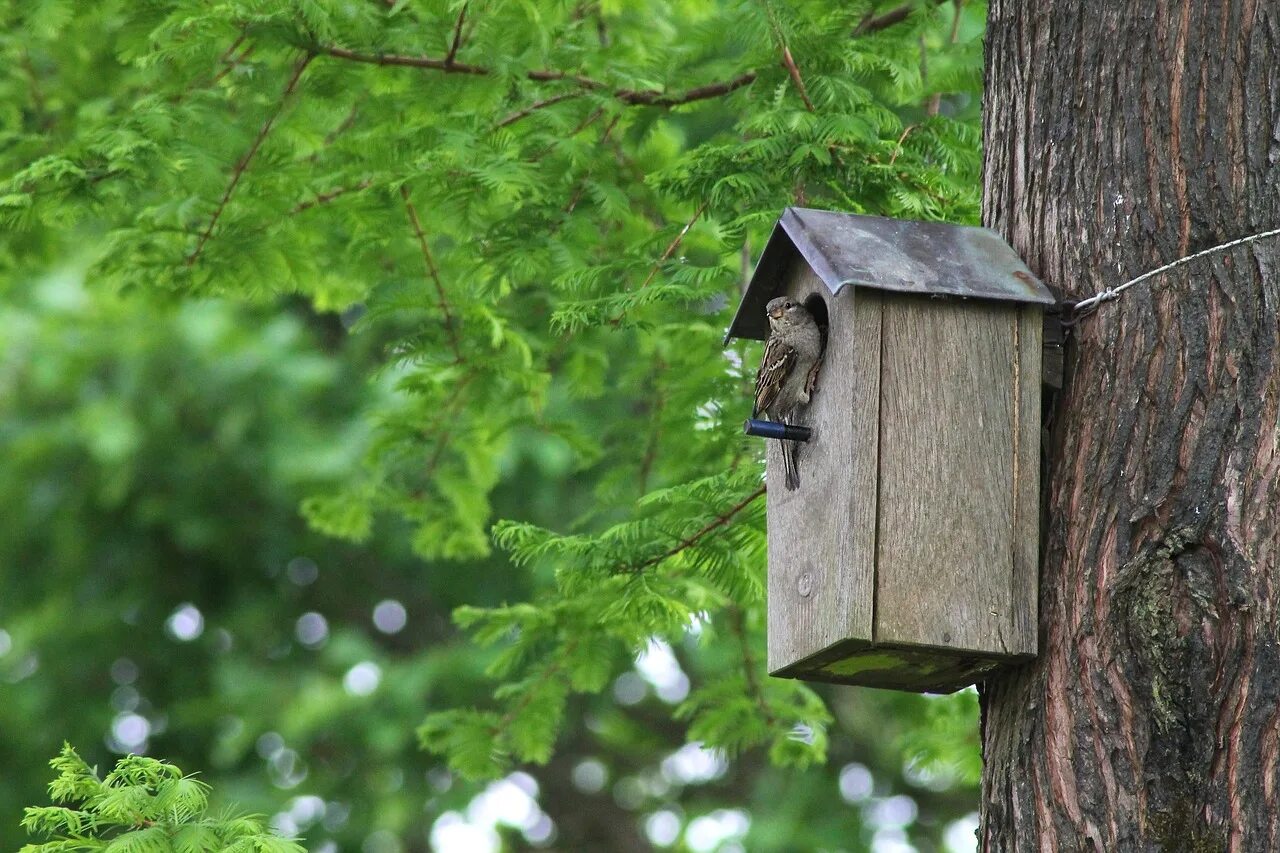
(907, 556)
(821, 537)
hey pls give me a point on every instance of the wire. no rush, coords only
(1086, 306)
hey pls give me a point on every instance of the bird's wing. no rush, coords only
(775, 367)
(811, 381)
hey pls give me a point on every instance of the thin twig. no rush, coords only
(675, 244)
(656, 98)
(634, 97)
(504, 724)
(794, 71)
(226, 54)
(582, 184)
(457, 36)
(582, 125)
(435, 274)
(416, 62)
(243, 164)
(344, 126)
(666, 255)
(896, 15)
(905, 133)
(533, 108)
(586, 122)
(788, 61)
(229, 62)
(325, 198)
(443, 433)
(738, 623)
(688, 542)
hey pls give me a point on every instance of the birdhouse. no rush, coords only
(907, 556)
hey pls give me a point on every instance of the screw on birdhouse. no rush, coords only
(776, 430)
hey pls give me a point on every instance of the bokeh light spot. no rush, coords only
(312, 630)
(389, 616)
(362, 679)
(186, 623)
(302, 571)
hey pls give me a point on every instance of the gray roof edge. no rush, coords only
(789, 234)
(748, 321)
(791, 222)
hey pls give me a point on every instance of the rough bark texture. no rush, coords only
(1121, 136)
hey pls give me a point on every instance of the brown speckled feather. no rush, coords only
(811, 381)
(775, 367)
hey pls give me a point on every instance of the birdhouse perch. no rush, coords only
(908, 556)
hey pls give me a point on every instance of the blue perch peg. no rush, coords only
(772, 429)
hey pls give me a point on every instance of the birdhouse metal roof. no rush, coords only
(847, 250)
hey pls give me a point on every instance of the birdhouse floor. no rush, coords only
(915, 668)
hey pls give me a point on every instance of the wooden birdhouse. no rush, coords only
(907, 557)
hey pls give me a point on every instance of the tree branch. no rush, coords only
(688, 542)
(582, 184)
(655, 98)
(674, 244)
(896, 15)
(533, 108)
(325, 198)
(788, 61)
(440, 429)
(666, 255)
(229, 62)
(634, 97)
(399, 59)
(435, 274)
(549, 673)
(239, 170)
(794, 71)
(457, 36)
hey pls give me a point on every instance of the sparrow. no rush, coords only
(788, 371)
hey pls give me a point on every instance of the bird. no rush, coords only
(788, 371)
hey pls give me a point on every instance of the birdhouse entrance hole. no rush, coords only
(817, 307)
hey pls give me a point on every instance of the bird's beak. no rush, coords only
(776, 313)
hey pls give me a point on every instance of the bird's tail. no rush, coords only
(790, 456)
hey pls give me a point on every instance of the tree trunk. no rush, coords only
(1121, 136)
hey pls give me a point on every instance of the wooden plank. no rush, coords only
(857, 483)
(821, 536)
(944, 540)
(1026, 472)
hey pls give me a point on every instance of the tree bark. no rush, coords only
(1121, 136)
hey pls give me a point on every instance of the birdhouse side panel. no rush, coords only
(1026, 473)
(945, 538)
(820, 590)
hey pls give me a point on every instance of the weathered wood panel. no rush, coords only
(1026, 474)
(945, 534)
(821, 536)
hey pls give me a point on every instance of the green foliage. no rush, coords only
(141, 806)
(489, 252)
(945, 750)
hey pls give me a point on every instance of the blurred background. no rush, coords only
(249, 472)
(163, 595)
